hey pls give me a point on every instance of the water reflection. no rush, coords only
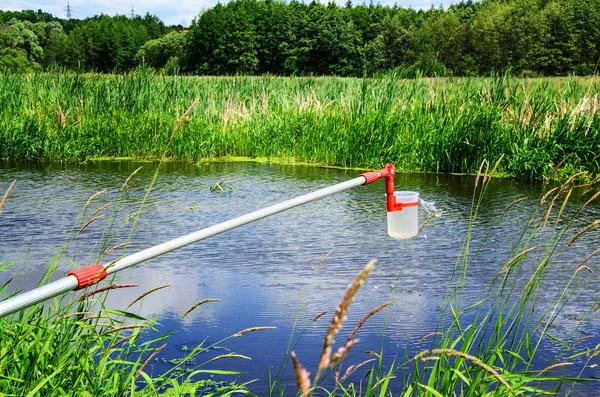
(264, 273)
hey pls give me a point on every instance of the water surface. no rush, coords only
(264, 273)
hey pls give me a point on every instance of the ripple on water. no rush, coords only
(264, 273)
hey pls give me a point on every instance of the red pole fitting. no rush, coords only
(372, 176)
(387, 172)
(88, 275)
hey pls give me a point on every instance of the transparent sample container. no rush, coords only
(404, 222)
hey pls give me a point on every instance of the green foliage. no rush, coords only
(12, 60)
(440, 125)
(159, 52)
(256, 37)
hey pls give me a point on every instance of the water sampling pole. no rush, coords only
(400, 225)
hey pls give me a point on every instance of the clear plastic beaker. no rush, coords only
(403, 222)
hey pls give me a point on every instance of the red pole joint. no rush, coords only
(88, 275)
(387, 172)
(391, 203)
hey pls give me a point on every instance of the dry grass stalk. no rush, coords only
(6, 195)
(123, 328)
(545, 196)
(62, 116)
(430, 358)
(493, 169)
(557, 167)
(581, 339)
(429, 336)
(479, 172)
(89, 223)
(372, 353)
(587, 258)
(98, 210)
(473, 359)
(595, 352)
(546, 215)
(230, 355)
(322, 261)
(562, 207)
(318, 316)
(117, 343)
(594, 197)
(551, 367)
(575, 175)
(593, 181)
(183, 119)
(252, 329)
(430, 217)
(97, 317)
(376, 385)
(516, 258)
(142, 296)
(150, 357)
(342, 352)
(485, 173)
(351, 369)
(200, 302)
(583, 267)
(366, 317)
(73, 315)
(302, 379)
(129, 217)
(514, 202)
(93, 196)
(582, 231)
(116, 247)
(106, 288)
(340, 314)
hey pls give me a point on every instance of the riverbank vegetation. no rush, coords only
(430, 125)
(530, 37)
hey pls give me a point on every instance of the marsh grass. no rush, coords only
(490, 344)
(445, 125)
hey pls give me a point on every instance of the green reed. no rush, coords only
(440, 125)
(509, 326)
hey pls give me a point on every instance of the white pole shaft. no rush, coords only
(69, 283)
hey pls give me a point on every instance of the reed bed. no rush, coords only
(440, 125)
(490, 343)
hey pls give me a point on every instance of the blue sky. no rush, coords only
(171, 12)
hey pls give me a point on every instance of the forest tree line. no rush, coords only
(529, 37)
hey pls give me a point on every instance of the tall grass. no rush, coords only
(489, 344)
(446, 125)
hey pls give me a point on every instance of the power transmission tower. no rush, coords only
(132, 15)
(68, 10)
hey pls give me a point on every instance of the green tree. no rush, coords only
(158, 52)
(328, 43)
(222, 41)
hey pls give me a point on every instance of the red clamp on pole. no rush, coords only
(372, 176)
(88, 275)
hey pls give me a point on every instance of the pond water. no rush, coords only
(264, 273)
